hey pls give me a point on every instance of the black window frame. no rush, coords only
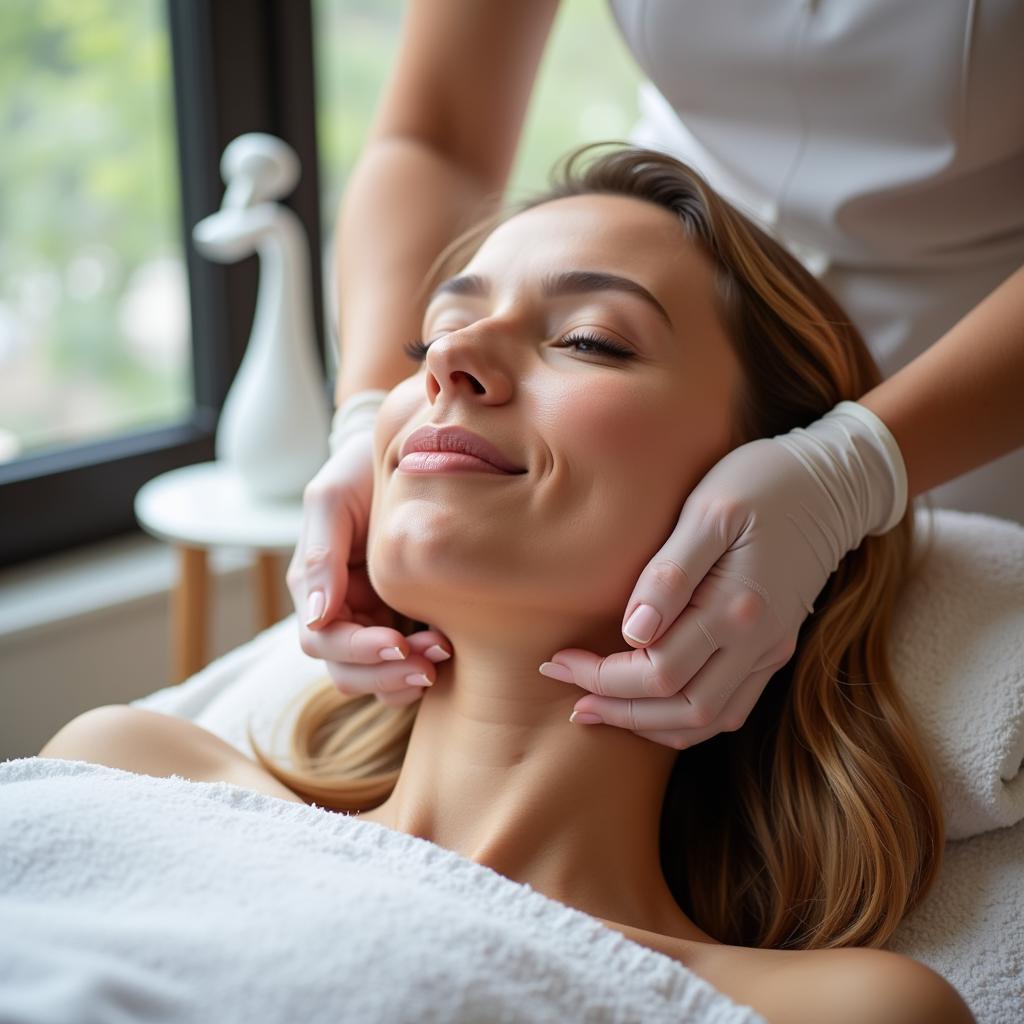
(238, 66)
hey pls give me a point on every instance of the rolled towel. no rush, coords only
(958, 658)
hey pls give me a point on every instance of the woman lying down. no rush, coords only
(773, 860)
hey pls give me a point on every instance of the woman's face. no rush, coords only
(610, 444)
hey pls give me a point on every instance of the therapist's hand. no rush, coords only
(341, 617)
(717, 610)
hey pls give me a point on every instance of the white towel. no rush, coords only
(970, 927)
(126, 897)
(958, 658)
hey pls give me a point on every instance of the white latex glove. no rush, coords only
(754, 545)
(341, 618)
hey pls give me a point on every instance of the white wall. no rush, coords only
(92, 627)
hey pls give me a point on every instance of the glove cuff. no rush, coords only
(359, 412)
(854, 458)
(888, 451)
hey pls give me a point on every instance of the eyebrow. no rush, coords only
(570, 282)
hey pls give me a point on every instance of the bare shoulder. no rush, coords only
(841, 986)
(860, 986)
(152, 743)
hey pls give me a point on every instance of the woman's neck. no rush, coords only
(496, 772)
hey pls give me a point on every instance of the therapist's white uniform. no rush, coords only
(882, 141)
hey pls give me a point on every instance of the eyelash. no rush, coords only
(418, 351)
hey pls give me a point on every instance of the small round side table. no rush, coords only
(203, 506)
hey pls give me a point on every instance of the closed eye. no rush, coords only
(581, 341)
(596, 343)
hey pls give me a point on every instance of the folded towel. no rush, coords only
(958, 657)
(957, 652)
(126, 897)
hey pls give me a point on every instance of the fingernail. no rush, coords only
(642, 624)
(315, 606)
(391, 654)
(554, 671)
(437, 653)
(586, 718)
(418, 679)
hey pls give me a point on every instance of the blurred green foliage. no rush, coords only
(89, 170)
(585, 89)
(85, 99)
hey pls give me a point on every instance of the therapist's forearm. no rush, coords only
(960, 404)
(404, 202)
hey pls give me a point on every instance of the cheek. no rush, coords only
(639, 443)
(394, 416)
(394, 419)
(603, 503)
(631, 456)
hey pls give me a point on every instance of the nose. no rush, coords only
(465, 364)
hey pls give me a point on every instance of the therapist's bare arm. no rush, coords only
(960, 404)
(438, 157)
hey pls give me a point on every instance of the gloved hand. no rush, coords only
(716, 611)
(341, 618)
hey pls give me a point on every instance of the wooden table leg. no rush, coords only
(190, 611)
(269, 609)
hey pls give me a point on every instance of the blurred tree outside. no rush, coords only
(94, 314)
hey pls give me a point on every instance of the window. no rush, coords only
(118, 341)
(95, 332)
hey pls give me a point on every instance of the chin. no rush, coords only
(407, 585)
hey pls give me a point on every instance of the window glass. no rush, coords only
(95, 332)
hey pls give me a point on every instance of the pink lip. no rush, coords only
(447, 462)
(460, 443)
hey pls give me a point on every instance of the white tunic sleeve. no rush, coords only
(882, 143)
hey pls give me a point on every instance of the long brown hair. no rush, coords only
(818, 822)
